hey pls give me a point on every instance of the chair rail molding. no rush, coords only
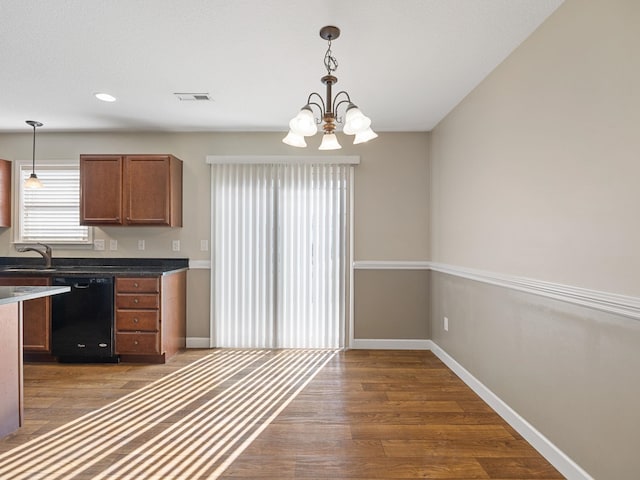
(626, 306)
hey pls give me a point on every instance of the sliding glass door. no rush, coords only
(279, 261)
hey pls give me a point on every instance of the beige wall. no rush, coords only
(391, 304)
(535, 174)
(390, 192)
(570, 371)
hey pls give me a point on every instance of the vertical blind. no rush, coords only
(52, 213)
(279, 255)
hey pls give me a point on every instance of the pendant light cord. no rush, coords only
(33, 158)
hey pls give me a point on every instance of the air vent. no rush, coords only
(193, 96)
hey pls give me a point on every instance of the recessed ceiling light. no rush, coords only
(105, 97)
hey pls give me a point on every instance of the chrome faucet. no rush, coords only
(46, 253)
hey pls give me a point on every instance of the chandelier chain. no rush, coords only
(330, 62)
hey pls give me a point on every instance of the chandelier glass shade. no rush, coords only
(305, 124)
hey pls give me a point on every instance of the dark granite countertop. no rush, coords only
(20, 266)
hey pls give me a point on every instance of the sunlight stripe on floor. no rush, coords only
(190, 424)
(222, 423)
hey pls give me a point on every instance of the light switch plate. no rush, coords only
(113, 244)
(140, 244)
(175, 245)
(98, 244)
(204, 245)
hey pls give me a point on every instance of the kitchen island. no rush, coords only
(11, 401)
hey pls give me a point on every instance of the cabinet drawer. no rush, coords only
(137, 343)
(137, 284)
(137, 320)
(133, 300)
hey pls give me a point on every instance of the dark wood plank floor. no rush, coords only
(366, 415)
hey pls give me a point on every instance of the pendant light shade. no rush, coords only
(294, 139)
(329, 142)
(365, 136)
(33, 181)
(304, 123)
(355, 121)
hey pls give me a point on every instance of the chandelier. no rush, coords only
(305, 124)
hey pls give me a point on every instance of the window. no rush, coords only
(50, 214)
(279, 255)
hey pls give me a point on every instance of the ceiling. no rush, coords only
(405, 64)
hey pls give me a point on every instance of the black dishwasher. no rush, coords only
(82, 320)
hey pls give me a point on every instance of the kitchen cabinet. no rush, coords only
(150, 319)
(131, 190)
(101, 189)
(36, 315)
(5, 193)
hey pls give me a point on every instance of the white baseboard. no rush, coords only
(389, 344)
(198, 342)
(542, 444)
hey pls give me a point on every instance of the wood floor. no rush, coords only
(365, 415)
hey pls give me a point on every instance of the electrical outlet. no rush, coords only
(98, 244)
(113, 244)
(175, 245)
(140, 244)
(446, 324)
(204, 245)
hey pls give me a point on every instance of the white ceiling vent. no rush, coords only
(193, 96)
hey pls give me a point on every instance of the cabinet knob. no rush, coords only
(135, 342)
(135, 300)
(135, 320)
(135, 284)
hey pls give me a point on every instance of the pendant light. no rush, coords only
(33, 181)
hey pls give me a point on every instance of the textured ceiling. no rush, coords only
(405, 63)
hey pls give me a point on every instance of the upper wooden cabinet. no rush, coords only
(131, 190)
(5, 193)
(101, 189)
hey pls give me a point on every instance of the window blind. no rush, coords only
(279, 257)
(51, 213)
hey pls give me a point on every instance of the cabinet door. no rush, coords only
(5, 193)
(101, 190)
(147, 189)
(36, 315)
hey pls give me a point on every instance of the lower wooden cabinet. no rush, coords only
(138, 343)
(150, 319)
(36, 315)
